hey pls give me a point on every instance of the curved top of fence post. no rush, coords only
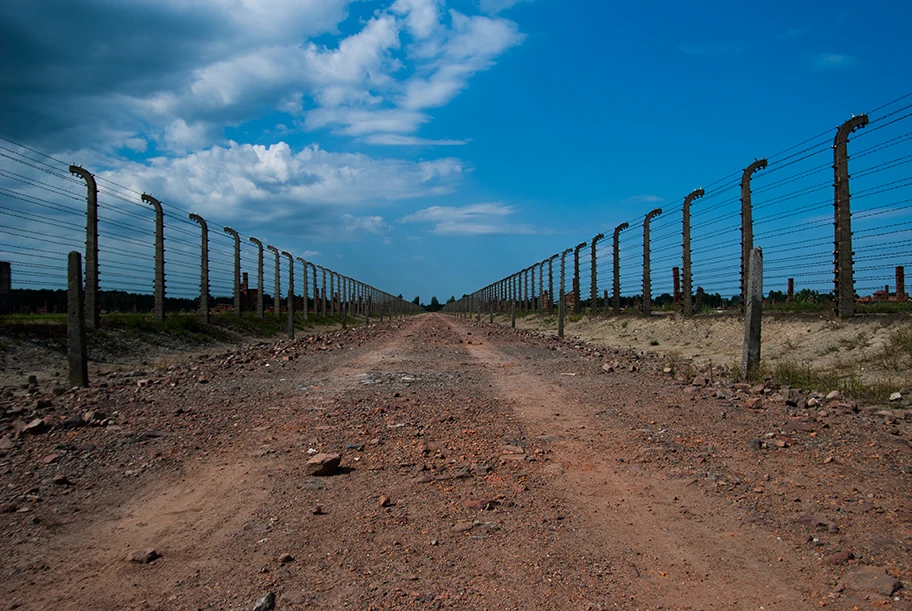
(199, 220)
(652, 214)
(151, 200)
(620, 228)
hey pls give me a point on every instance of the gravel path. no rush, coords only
(481, 468)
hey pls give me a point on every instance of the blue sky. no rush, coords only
(430, 147)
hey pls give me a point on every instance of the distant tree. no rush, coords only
(452, 299)
(399, 296)
(435, 306)
(417, 300)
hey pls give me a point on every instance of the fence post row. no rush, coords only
(204, 268)
(593, 289)
(844, 269)
(92, 307)
(304, 282)
(291, 295)
(647, 280)
(685, 246)
(259, 277)
(561, 305)
(747, 224)
(159, 284)
(237, 269)
(617, 266)
(276, 296)
(576, 277)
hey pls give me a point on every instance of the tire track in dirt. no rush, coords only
(687, 550)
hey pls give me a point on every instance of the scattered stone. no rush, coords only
(317, 510)
(92, 416)
(755, 444)
(817, 524)
(759, 389)
(265, 603)
(385, 501)
(839, 557)
(511, 450)
(73, 422)
(62, 480)
(476, 504)
(202, 380)
(896, 396)
(145, 557)
(37, 426)
(357, 447)
(461, 527)
(794, 426)
(754, 403)
(699, 381)
(834, 395)
(813, 402)
(44, 404)
(50, 458)
(6, 443)
(286, 558)
(870, 578)
(322, 465)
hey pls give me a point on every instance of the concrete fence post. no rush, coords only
(576, 277)
(92, 306)
(259, 277)
(533, 299)
(6, 288)
(323, 303)
(276, 293)
(204, 267)
(332, 293)
(304, 285)
(790, 290)
(593, 289)
(561, 304)
(647, 278)
(291, 295)
(541, 285)
(76, 323)
(551, 282)
(750, 357)
(237, 269)
(317, 292)
(158, 287)
(844, 269)
(617, 266)
(747, 222)
(900, 283)
(686, 295)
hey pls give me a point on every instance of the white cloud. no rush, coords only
(475, 219)
(262, 183)
(492, 7)
(370, 224)
(307, 254)
(400, 140)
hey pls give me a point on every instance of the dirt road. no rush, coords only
(482, 468)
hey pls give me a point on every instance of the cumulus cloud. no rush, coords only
(369, 224)
(475, 219)
(257, 184)
(175, 74)
(495, 6)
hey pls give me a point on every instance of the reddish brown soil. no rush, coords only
(518, 474)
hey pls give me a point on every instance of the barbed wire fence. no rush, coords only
(690, 253)
(47, 208)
